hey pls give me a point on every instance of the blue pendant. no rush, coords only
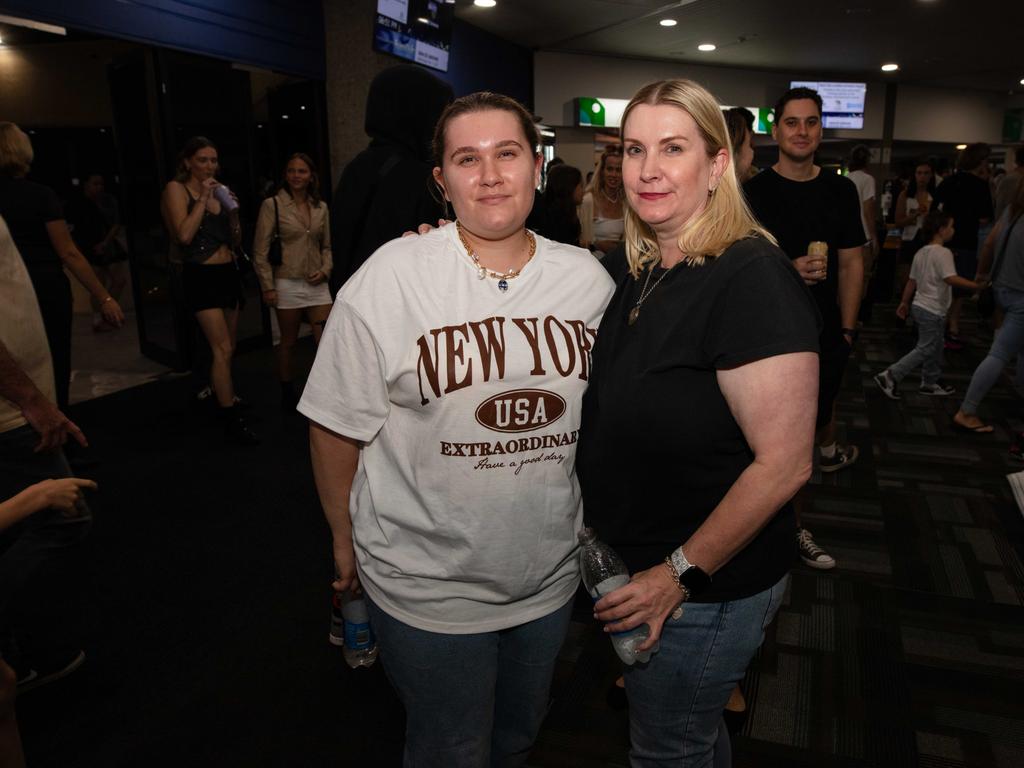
(503, 285)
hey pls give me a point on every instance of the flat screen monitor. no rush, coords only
(416, 30)
(842, 104)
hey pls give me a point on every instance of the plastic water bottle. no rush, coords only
(360, 644)
(337, 634)
(223, 194)
(603, 572)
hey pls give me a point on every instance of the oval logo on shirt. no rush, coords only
(520, 410)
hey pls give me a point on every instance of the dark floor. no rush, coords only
(206, 598)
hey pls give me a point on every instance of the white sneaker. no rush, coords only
(936, 390)
(888, 385)
(811, 553)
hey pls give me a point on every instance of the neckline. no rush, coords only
(467, 262)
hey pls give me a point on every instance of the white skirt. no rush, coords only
(298, 294)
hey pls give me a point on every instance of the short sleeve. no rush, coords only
(851, 227)
(50, 208)
(762, 311)
(945, 264)
(346, 391)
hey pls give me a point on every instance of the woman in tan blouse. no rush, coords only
(297, 287)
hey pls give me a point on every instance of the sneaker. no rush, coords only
(953, 343)
(34, 678)
(845, 456)
(936, 390)
(888, 385)
(811, 553)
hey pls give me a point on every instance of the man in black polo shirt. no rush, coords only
(799, 204)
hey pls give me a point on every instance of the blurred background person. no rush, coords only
(296, 286)
(206, 233)
(557, 218)
(387, 188)
(602, 207)
(740, 123)
(36, 221)
(97, 231)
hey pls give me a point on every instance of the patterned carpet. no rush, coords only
(910, 652)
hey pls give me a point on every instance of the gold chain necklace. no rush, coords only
(482, 271)
(634, 313)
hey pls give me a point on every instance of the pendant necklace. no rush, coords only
(502, 277)
(634, 313)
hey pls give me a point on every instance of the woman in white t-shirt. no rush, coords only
(931, 276)
(445, 405)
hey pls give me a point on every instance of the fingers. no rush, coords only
(424, 229)
(654, 637)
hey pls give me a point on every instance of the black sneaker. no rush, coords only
(30, 679)
(845, 456)
(811, 553)
(888, 385)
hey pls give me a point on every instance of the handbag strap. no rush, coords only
(1002, 250)
(277, 220)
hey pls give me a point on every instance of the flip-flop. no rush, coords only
(981, 429)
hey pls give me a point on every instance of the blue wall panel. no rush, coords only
(284, 35)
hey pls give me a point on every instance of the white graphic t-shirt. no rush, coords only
(465, 504)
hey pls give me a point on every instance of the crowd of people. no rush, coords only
(677, 329)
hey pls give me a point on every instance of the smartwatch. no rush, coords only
(692, 578)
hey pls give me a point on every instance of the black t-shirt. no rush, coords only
(27, 207)
(825, 208)
(968, 199)
(659, 447)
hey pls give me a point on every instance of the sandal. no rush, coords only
(980, 429)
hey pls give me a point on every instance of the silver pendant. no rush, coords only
(634, 313)
(503, 285)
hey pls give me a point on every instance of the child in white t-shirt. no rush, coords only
(931, 276)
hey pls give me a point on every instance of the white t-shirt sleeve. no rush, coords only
(944, 264)
(347, 387)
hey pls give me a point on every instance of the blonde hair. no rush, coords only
(726, 218)
(597, 181)
(15, 151)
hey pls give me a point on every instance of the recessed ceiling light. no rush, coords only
(485, 3)
(668, 22)
(961, 146)
(706, 47)
(1022, 81)
(890, 67)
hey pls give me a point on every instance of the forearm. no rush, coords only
(962, 282)
(908, 292)
(752, 501)
(18, 507)
(334, 458)
(15, 385)
(851, 283)
(79, 267)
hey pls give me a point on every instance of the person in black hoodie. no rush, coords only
(387, 188)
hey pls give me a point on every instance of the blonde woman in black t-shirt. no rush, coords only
(698, 424)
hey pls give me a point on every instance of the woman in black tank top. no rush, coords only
(205, 233)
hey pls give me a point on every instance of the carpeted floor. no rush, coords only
(205, 594)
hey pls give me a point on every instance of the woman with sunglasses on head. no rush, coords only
(294, 224)
(203, 223)
(445, 408)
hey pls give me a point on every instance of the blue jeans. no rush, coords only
(32, 598)
(1008, 341)
(931, 330)
(676, 700)
(471, 701)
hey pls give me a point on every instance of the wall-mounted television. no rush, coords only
(416, 30)
(842, 104)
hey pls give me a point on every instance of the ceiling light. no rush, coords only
(284, 117)
(961, 146)
(485, 3)
(1022, 81)
(2, 42)
(668, 22)
(890, 67)
(706, 47)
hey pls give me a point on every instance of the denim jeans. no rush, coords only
(33, 550)
(676, 700)
(931, 330)
(471, 701)
(1008, 341)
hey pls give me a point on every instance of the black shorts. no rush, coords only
(831, 367)
(211, 286)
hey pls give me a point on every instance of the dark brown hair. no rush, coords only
(933, 222)
(192, 146)
(973, 156)
(740, 122)
(313, 190)
(482, 101)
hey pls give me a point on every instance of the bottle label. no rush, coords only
(358, 636)
(607, 586)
